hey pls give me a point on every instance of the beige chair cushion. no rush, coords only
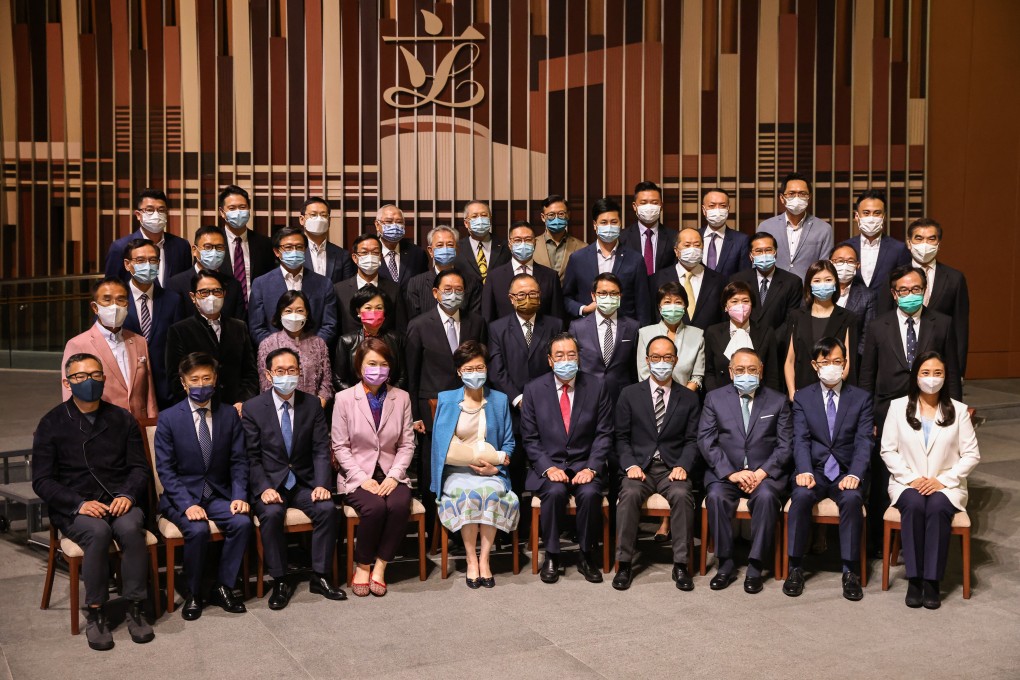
(656, 502)
(536, 502)
(961, 520)
(72, 549)
(416, 509)
(293, 517)
(150, 434)
(741, 505)
(169, 530)
(824, 508)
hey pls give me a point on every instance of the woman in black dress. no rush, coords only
(375, 314)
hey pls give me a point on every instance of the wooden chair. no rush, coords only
(417, 516)
(657, 506)
(891, 549)
(825, 512)
(742, 513)
(444, 534)
(536, 510)
(294, 522)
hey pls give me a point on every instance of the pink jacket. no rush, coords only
(358, 446)
(139, 395)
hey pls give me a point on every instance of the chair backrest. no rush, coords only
(148, 427)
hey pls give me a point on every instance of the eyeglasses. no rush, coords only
(656, 358)
(916, 290)
(477, 368)
(209, 248)
(764, 251)
(521, 297)
(519, 241)
(607, 296)
(150, 210)
(199, 382)
(797, 194)
(206, 292)
(833, 362)
(292, 248)
(317, 214)
(280, 372)
(849, 262)
(365, 253)
(741, 370)
(451, 290)
(145, 260)
(565, 356)
(82, 377)
(561, 214)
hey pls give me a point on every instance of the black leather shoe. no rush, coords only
(663, 538)
(473, 583)
(281, 595)
(753, 584)
(852, 587)
(914, 593)
(682, 578)
(930, 598)
(794, 584)
(550, 569)
(320, 585)
(225, 598)
(487, 581)
(192, 608)
(623, 577)
(722, 580)
(586, 565)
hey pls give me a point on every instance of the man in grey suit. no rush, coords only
(802, 238)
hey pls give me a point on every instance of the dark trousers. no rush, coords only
(878, 490)
(925, 526)
(274, 540)
(94, 535)
(634, 493)
(236, 531)
(555, 496)
(383, 521)
(763, 503)
(851, 521)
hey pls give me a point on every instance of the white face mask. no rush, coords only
(689, 257)
(111, 316)
(369, 263)
(830, 375)
(716, 217)
(846, 272)
(293, 322)
(154, 223)
(210, 305)
(316, 225)
(924, 252)
(930, 384)
(871, 226)
(796, 205)
(648, 213)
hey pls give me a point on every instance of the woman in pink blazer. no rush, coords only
(373, 443)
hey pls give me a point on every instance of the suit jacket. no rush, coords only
(499, 253)
(633, 237)
(179, 464)
(430, 368)
(269, 462)
(359, 446)
(786, 293)
(233, 301)
(949, 455)
(717, 365)
(638, 438)
(690, 347)
(861, 301)
(588, 443)
(413, 260)
(734, 255)
(237, 380)
(542, 252)
(266, 292)
(767, 443)
(707, 307)
(339, 265)
(74, 461)
(891, 254)
(345, 290)
(851, 441)
(261, 258)
(815, 242)
(166, 311)
(841, 324)
(137, 395)
(628, 266)
(949, 296)
(498, 430)
(176, 255)
(513, 363)
(622, 369)
(418, 295)
(496, 304)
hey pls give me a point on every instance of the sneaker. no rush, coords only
(97, 630)
(138, 625)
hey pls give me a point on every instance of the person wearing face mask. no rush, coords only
(555, 246)
(930, 449)
(324, 258)
(833, 426)
(249, 254)
(745, 436)
(878, 255)
(657, 445)
(480, 251)
(608, 339)
(208, 332)
(373, 444)
(604, 256)
(801, 238)
(288, 445)
(701, 285)
(495, 302)
(290, 245)
(567, 432)
(209, 252)
(739, 331)
(472, 447)
(151, 210)
(129, 376)
(689, 367)
(653, 240)
(374, 311)
(442, 248)
(854, 296)
(402, 258)
(946, 291)
(726, 251)
(203, 468)
(820, 317)
(367, 256)
(291, 318)
(776, 292)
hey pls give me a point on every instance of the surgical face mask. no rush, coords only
(392, 232)
(88, 390)
(672, 313)
(764, 263)
(846, 272)
(317, 225)
(154, 223)
(823, 291)
(523, 252)
(451, 300)
(739, 313)
(210, 305)
(285, 384)
(293, 259)
(238, 218)
(526, 307)
(111, 316)
(716, 217)
(444, 256)
(746, 383)
(211, 259)
(292, 322)
(202, 394)
(556, 225)
(831, 374)
(375, 375)
(369, 263)
(910, 303)
(608, 233)
(690, 257)
(924, 252)
(931, 384)
(145, 273)
(373, 318)
(871, 226)
(648, 213)
(796, 205)
(480, 227)
(474, 380)
(661, 370)
(565, 370)
(608, 304)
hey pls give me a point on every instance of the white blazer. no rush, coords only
(690, 347)
(950, 455)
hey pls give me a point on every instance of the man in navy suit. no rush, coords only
(602, 257)
(727, 250)
(402, 258)
(775, 292)
(877, 253)
(290, 246)
(480, 251)
(745, 438)
(324, 258)
(249, 253)
(653, 241)
(153, 310)
(174, 251)
(368, 267)
(703, 286)
(802, 238)
(202, 466)
(832, 440)
(567, 428)
(854, 296)
(289, 454)
(209, 251)
(496, 304)
(608, 341)
(442, 249)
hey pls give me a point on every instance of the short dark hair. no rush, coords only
(520, 224)
(197, 360)
(560, 337)
(608, 277)
(315, 199)
(922, 222)
(468, 350)
(366, 293)
(207, 274)
(233, 190)
(845, 244)
(714, 190)
(154, 194)
(79, 357)
(604, 205)
(814, 268)
(824, 347)
(761, 236)
(555, 198)
(914, 391)
(671, 288)
(452, 271)
(365, 237)
(521, 277)
(790, 177)
(285, 301)
(288, 231)
(870, 195)
(279, 351)
(372, 344)
(905, 270)
(647, 186)
(109, 280)
(134, 244)
(648, 347)
(733, 288)
(209, 229)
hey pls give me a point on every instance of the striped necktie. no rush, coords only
(144, 318)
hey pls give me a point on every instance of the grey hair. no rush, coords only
(378, 213)
(442, 227)
(471, 203)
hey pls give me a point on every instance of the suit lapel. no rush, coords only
(362, 401)
(756, 407)
(671, 405)
(925, 334)
(131, 352)
(102, 350)
(933, 434)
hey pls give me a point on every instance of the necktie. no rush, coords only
(288, 440)
(216, 326)
(205, 444)
(607, 342)
(911, 341)
(831, 466)
(660, 408)
(144, 318)
(745, 411)
(527, 332)
(565, 409)
(451, 335)
(763, 290)
(691, 301)
(239, 271)
(649, 253)
(483, 266)
(713, 255)
(391, 262)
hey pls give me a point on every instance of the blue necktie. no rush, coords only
(205, 444)
(831, 466)
(911, 342)
(288, 437)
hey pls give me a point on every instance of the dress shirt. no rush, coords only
(606, 263)
(521, 321)
(869, 257)
(666, 388)
(119, 350)
(137, 293)
(386, 250)
(486, 248)
(362, 282)
(528, 267)
(707, 239)
(159, 252)
(231, 239)
(793, 233)
(764, 276)
(445, 318)
(317, 257)
(697, 276)
(208, 415)
(279, 401)
(901, 317)
(556, 250)
(214, 324)
(929, 272)
(844, 295)
(293, 281)
(837, 389)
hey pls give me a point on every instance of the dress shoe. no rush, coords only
(682, 578)
(192, 608)
(914, 593)
(97, 629)
(852, 587)
(794, 584)
(930, 598)
(281, 594)
(138, 625)
(722, 580)
(663, 538)
(487, 581)
(320, 585)
(623, 577)
(753, 585)
(473, 583)
(225, 598)
(550, 569)
(586, 565)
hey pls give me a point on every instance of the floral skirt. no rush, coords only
(477, 499)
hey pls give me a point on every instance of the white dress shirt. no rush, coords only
(929, 272)
(362, 282)
(901, 317)
(869, 257)
(279, 401)
(844, 295)
(136, 294)
(231, 239)
(293, 281)
(216, 325)
(606, 263)
(524, 267)
(317, 256)
(118, 348)
(159, 251)
(793, 233)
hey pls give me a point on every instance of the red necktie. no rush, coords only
(565, 409)
(649, 255)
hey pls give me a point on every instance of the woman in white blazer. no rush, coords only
(930, 448)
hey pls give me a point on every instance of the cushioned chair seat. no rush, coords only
(536, 502)
(961, 519)
(72, 549)
(169, 530)
(741, 505)
(293, 517)
(823, 508)
(656, 502)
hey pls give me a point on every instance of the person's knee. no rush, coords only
(371, 507)
(239, 524)
(272, 513)
(850, 499)
(323, 511)
(195, 530)
(554, 492)
(715, 497)
(910, 500)
(679, 492)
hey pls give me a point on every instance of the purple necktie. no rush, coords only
(239, 271)
(649, 255)
(831, 466)
(713, 256)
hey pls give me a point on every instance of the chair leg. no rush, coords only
(864, 554)
(607, 567)
(51, 567)
(422, 572)
(534, 540)
(777, 567)
(157, 608)
(74, 564)
(434, 544)
(704, 542)
(260, 569)
(516, 551)
(894, 556)
(886, 540)
(171, 593)
(351, 524)
(786, 545)
(444, 539)
(965, 544)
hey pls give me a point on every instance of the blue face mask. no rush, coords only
(285, 384)
(523, 252)
(293, 259)
(910, 303)
(556, 225)
(823, 291)
(238, 218)
(565, 370)
(88, 390)
(746, 384)
(451, 300)
(202, 394)
(662, 370)
(392, 232)
(480, 227)
(764, 263)
(474, 380)
(444, 256)
(608, 233)
(145, 273)
(211, 259)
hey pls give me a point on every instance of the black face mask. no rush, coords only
(88, 390)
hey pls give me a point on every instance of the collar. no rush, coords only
(136, 292)
(521, 320)
(655, 386)
(296, 276)
(374, 282)
(387, 250)
(720, 232)
(444, 317)
(530, 264)
(696, 271)
(734, 328)
(561, 383)
(109, 335)
(317, 248)
(195, 407)
(231, 235)
(654, 228)
(765, 276)
(148, 237)
(790, 225)
(865, 243)
(612, 253)
(903, 316)
(837, 388)
(475, 243)
(612, 317)
(279, 401)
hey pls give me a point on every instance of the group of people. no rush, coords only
(694, 363)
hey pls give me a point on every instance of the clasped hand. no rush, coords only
(747, 480)
(926, 486)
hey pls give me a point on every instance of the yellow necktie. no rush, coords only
(691, 302)
(483, 266)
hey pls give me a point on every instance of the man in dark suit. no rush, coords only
(89, 467)
(878, 254)
(728, 250)
(249, 253)
(854, 296)
(704, 286)
(776, 292)
(442, 248)
(209, 250)
(745, 437)
(832, 441)
(480, 251)
(402, 258)
(608, 341)
(567, 452)
(657, 444)
(290, 246)
(202, 466)
(652, 240)
(496, 304)
(226, 340)
(289, 454)
(151, 208)
(367, 258)
(324, 258)
(605, 256)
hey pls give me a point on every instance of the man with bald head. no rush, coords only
(402, 258)
(703, 285)
(325, 258)
(480, 250)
